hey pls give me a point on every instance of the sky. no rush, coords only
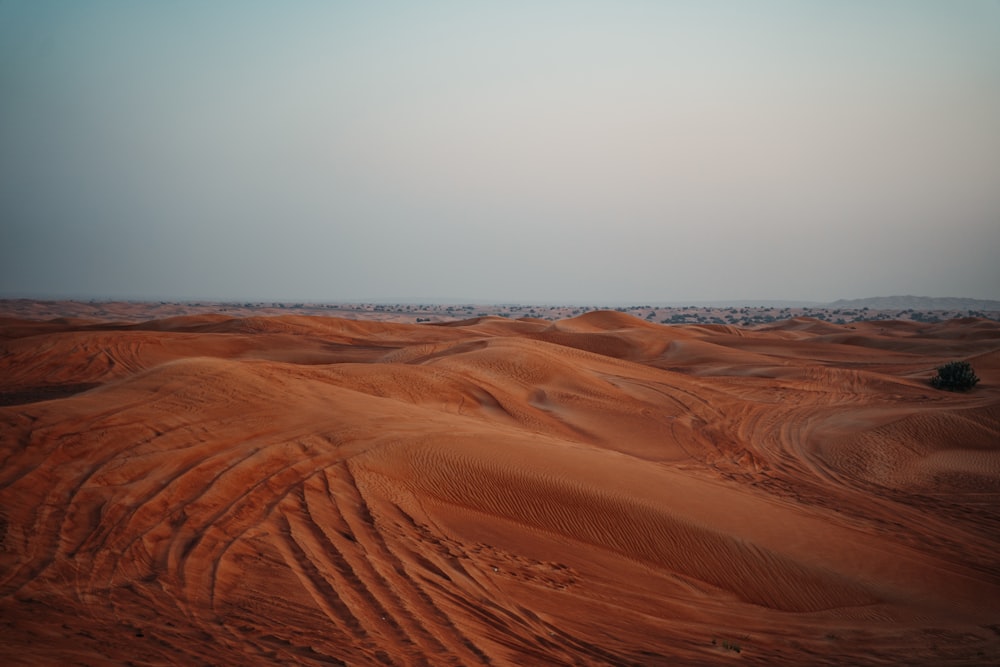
(537, 151)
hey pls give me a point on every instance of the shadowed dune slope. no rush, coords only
(595, 491)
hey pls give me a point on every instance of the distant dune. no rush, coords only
(918, 303)
(598, 490)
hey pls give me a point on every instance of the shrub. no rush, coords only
(955, 376)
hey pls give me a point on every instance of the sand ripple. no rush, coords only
(601, 490)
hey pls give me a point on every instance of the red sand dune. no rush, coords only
(601, 490)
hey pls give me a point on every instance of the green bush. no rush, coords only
(955, 376)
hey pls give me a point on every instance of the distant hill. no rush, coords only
(917, 303)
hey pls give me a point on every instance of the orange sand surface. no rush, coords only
(595, 491)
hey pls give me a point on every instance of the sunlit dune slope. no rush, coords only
(594, 491)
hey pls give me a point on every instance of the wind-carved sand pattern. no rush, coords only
(595, 491)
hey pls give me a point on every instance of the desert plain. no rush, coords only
(597, 489)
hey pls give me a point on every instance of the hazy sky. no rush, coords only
(505, 151)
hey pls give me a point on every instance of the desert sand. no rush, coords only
(598, 490)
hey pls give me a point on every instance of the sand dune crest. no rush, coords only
(598, 490)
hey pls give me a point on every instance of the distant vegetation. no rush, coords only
(740, 316)
(955, 376)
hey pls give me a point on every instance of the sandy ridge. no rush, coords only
(598, 490)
